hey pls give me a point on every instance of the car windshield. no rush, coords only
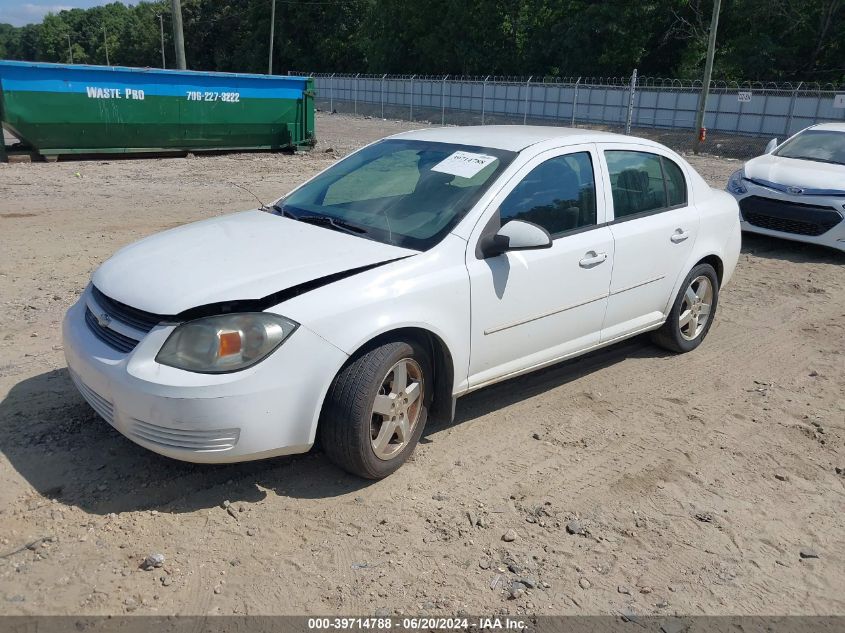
(824, 146)
(403, 192)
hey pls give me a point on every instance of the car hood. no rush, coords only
(243, 256)
(806, 174)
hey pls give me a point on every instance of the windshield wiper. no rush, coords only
(335, 223)
(284, 212)
(323, 220)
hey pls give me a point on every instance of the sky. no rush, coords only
(19, 13)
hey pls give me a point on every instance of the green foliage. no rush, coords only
(758, 39)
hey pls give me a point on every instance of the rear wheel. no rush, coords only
(692, 313)
(376, 409)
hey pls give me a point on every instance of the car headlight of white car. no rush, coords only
(736, 184)
(226, 343)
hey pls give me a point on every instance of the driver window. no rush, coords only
(559, 195)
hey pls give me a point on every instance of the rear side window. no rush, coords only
(644, 183)
(676, 184)
(558, 194)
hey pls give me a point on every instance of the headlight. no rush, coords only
(220, 344)
(735, 182)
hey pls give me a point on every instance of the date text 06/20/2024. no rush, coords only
(411, 623)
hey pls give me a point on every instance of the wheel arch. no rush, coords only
(716, 262)
(442, 405)
(711, 258)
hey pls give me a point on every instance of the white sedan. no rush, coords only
(415, 270)
(797, 189)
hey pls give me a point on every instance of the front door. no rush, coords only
(532, 307)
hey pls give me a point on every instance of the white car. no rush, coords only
(413, 271)
(796, 190)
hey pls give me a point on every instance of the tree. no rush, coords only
(799, 40)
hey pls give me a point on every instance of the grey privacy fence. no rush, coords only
(739, 114)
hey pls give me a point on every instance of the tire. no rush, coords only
(681, 338)
(372, 438)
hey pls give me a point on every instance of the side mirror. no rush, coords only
(771, 145)
(516, 235)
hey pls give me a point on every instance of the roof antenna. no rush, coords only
(263, 206)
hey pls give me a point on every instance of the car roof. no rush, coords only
(833, 127)
(513, 138)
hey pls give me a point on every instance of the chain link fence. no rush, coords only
(741, 116)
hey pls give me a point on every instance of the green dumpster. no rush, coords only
(60, 109)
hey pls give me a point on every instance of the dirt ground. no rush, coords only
(696, 481)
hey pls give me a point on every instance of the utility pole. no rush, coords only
(106, 44)
(272, 32)
(69, 48)
(178, 35)
(708, 72)
(631, 96)
(161, 24)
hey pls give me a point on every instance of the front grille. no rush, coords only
(788, 217)
(103, 407)
(109, 336)
(138, 319)
(194, 440)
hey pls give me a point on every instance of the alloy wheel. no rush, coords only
(396, 409)
(696, 307)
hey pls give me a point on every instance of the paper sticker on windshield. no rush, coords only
(463, 164)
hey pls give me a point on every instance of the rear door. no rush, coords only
(654, 228)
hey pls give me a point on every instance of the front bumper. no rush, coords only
(269, 409)
(792, 217)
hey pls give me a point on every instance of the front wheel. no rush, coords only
(376, 409)
(692, 313)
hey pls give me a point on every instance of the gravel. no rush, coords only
(621, 432)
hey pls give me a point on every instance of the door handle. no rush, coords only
(679, 236)
(592, 259)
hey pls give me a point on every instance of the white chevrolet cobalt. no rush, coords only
(417, 269)
(796, 190)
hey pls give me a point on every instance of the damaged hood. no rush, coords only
(244, 256)
(804, 174)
